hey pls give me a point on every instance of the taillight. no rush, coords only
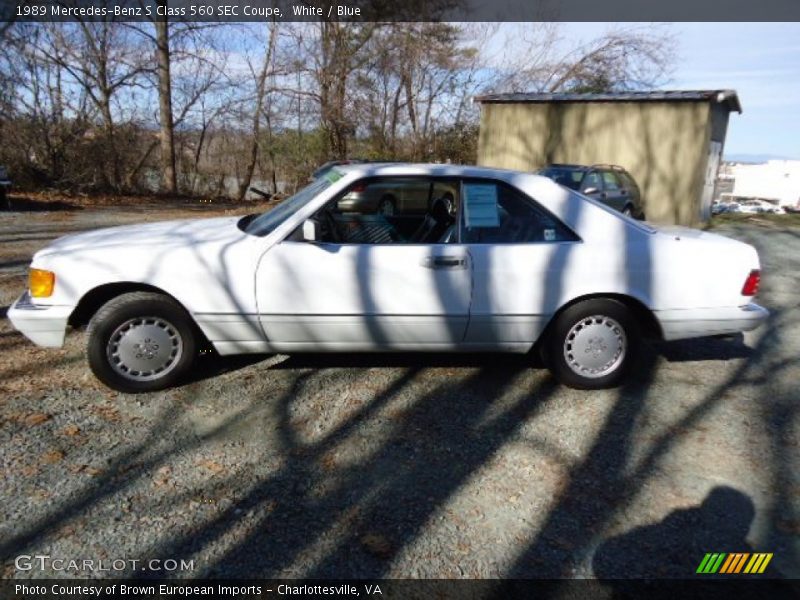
(359, 187)
(751, 283)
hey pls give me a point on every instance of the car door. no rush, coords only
(519, 252)
(337, 294)
(592, 185)
(614, 193)
(630, 186)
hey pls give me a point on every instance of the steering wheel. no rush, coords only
(330, 225)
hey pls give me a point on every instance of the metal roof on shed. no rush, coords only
(727, 97)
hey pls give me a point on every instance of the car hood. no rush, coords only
(149, 237)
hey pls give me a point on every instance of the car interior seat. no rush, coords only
(436, 222)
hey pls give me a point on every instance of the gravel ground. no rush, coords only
(404, 466)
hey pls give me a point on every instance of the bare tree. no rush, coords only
(337, 51)
(103, 60)
(168, 175)
(420, 81)
(265, 72)
(80, 98)
(625, 58)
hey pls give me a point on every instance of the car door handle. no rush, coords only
(444, 262)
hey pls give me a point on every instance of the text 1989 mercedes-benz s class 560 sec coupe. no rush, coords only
(501, 261)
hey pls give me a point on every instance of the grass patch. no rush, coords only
(761, 220)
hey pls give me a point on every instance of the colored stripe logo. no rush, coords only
(734, 563)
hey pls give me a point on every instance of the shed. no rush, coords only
(670, 141)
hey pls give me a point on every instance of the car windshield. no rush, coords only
(267, 222)
(570, 178)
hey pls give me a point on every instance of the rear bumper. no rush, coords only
(43, 325)
(699, 322)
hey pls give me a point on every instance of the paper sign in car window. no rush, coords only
(480, 205)
(333, 176)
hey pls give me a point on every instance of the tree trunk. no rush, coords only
(108, 125)
(261, 86)
(168, 175)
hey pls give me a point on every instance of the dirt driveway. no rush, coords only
(402, 466)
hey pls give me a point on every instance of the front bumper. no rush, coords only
(700, 322)
(41, 324)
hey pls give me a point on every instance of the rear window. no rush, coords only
(494, 213)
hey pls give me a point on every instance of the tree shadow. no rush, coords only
(433, 447)
(705, 348)
(209, 365)
(405, 359)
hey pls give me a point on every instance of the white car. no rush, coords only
(514, 263)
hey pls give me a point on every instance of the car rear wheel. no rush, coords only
(593, 344)
(628, 210)
(386, 206)
(140, 342)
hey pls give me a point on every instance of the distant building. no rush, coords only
(671, 142)
(776, 181)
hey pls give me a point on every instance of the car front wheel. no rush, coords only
(593, 344)
(140, 342)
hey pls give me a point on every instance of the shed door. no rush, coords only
(712, 166)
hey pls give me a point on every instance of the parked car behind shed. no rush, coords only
(610, 184)
(5, 185)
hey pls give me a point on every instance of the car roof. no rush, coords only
(431, 169)
(568, 166)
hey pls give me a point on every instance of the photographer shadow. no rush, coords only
(674, 548)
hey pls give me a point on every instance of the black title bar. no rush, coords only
(708, 588)
(401, 10)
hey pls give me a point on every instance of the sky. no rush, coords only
(761, 61)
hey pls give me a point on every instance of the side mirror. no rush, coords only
(590, 190)
(311, 231)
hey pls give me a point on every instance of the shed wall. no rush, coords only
(664, 145)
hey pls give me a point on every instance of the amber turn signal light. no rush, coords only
(41, 283)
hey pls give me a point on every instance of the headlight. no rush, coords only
(41, 283)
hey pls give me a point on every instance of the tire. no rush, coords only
(141, 342)
(387, 206)
(602, 328)
(628, 211)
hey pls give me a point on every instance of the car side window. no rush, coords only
(495, 213)
(390, 210)
(629, 183)
(592, 180)
(610, 181)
